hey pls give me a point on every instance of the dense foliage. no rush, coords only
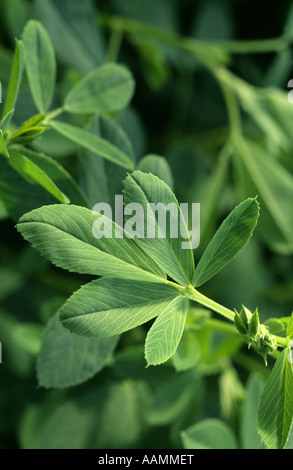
(164, 102)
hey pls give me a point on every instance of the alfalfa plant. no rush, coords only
(139, 278)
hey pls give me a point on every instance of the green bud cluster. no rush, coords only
(248, 324)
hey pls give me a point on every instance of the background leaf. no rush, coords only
(250, 438)
(101, 179)
(15, 79)
(66, 360)
(93, 143)
(58, 174)
(74, 32)
(72, 424)
(188, 352)
(3, 148)
(40, 64)
(265, 176)
(158, 166)
(209, 434)
(107, 89)
(173, 397)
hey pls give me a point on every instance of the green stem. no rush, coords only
(193, 294)
(255, 46)
(196, 296)
(283, 342)
(194, 45)
(222, 76)
(114, 44)
(221, 326)
(52, 115)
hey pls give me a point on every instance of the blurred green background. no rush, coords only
(178, 111)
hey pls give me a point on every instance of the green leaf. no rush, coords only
(66, 360)
(279, 105)
(131, 123)
(188, 352)
(15, 79)
(28, 125)
(20, 360)
(254, 324)
(211, 192)
(250, 438)
(153, 14)
(158, 166)
(6, 120)
(32, 173)
(229, 239)
(166, 249)
(64, 235)
(224, 348)
(213, 22)
(153, 61)
(275, 413)
(28, 336)
(15, 14)
(277, 73)
(93, 143)
(264, 175)
(89, 419)
(240, 325)
(61, 178)
(3, 148)
(209, 434)
(18, 195)
(254, 102)
(74, 32)
(40, 64)
(277, 326)
(290, 327)
(230, 392)
(29, 135)
(164, 336)
(106, 89)
(107, 307)
(101, 179)
(173, 398)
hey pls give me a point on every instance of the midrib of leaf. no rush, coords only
(108, 309)
(74, 237)
(266, 194)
